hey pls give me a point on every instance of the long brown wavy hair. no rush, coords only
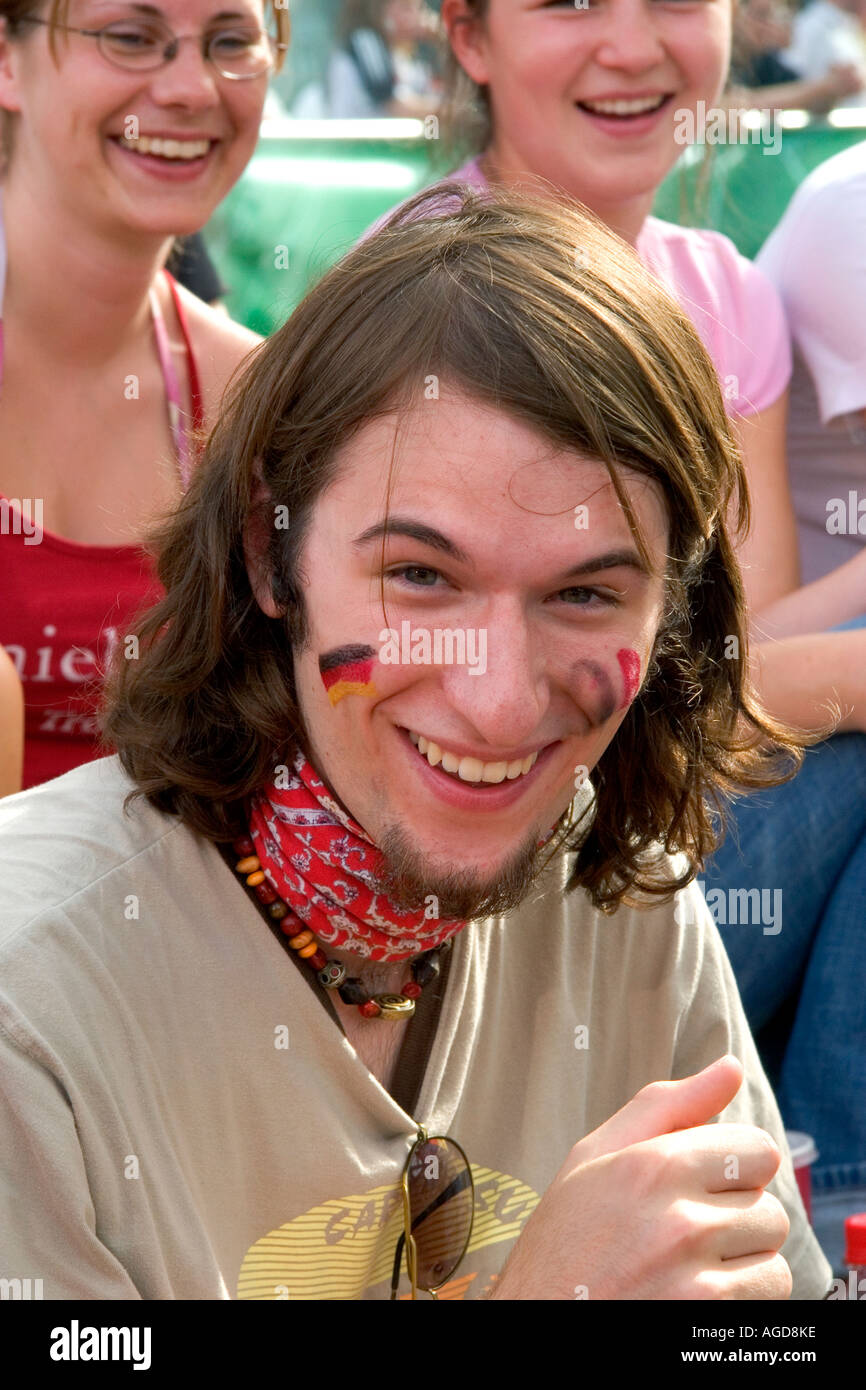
(535, 310)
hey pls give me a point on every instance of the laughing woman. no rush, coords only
(120, 131)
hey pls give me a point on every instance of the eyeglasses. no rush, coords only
(438, 1210)
(238, 52)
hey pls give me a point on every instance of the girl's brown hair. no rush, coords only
(15, 12)
(537, 311)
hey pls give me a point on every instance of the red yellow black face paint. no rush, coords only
(347, 671)
(629, 664)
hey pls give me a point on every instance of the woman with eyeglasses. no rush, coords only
(584, 99)
(119, 131)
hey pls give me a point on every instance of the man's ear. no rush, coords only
(466, 37)
(9, 99)
(258, 532)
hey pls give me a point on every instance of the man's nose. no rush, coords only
(502, 696)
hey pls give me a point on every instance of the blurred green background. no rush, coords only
(312, 188)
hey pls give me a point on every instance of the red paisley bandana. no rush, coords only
(325, 867)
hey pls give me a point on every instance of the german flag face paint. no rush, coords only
(347, 671)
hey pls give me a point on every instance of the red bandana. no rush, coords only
(325, 867)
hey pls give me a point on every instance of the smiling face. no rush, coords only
(459, 768)
(73, 119)
(549, 66)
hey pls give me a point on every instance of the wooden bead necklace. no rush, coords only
(331, 974)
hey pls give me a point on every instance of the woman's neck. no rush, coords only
(77, 293)
(502, 166)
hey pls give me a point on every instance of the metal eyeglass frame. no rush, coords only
(407, 1239)
(170, 50)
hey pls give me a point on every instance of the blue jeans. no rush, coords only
(804, 987)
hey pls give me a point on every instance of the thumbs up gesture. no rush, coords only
(658, 1203)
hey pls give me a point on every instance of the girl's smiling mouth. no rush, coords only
(167, 156)
(635, 112)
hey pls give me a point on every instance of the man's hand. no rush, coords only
(658, 1203)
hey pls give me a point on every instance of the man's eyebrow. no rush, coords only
(612, 559)
(625, 557)
(416, 531)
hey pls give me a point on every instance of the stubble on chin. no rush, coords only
(410, 880)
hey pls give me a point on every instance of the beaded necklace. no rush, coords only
(332, 974)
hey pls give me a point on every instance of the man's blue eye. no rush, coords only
(587, 595)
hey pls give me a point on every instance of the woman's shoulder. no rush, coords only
(734, 306)
(220, 345)
(710, 252)
(706, 266)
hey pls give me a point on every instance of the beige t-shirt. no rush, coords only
(182, 1118)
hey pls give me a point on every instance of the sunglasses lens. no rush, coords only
(441, 1201)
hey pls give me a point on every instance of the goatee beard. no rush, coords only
(461, 895)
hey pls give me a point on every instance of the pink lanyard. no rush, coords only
(176, 416)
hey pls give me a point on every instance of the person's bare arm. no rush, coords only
(835, 598)
(800, 678)
(769, 554)
(11, 727)
(807, 94)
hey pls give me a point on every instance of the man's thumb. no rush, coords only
(665, 1106)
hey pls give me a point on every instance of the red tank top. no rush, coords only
(64, 608)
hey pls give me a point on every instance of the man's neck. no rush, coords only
(78, 294)
(377, 977)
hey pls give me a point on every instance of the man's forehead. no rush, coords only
(466, 461)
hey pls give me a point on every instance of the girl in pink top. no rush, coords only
(583, 101)
(587, 101)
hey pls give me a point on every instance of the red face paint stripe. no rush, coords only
(629, 664)
(355, 672)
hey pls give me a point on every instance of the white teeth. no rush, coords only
(625, 108)
(494, 772)
(168, 149)
(471, 769)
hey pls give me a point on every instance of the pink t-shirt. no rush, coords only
(736, 310)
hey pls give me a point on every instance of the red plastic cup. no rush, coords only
(803, 1155)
